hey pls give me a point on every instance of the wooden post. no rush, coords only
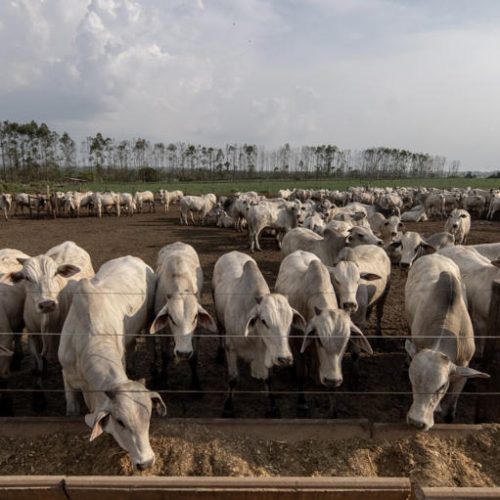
(488, 407)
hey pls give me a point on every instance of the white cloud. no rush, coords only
(353, 72)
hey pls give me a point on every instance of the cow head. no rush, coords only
(272, 319)
(182, 314)
(330, 331)
(125, 413)
(430, 375)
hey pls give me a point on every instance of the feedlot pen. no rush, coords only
(383, 393)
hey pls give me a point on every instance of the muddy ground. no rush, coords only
(143, 235)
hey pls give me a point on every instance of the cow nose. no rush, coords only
(349, 306)
(145, 465)
(283, 360)
(394, 233)
(380, 243)
(455, 226)
(47, 306)
(415, 423)
(333, 382)
(183, 355)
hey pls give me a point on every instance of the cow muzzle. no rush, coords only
(145, 465)
(417, 423)
(350, 307)
(332, 382)
(284, 361)
(47, 306)
(183, 355)
(404, 265)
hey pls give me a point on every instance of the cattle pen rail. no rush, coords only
(237, 488)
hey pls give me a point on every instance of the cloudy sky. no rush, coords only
(418, 74)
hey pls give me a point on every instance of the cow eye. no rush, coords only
(120, 423)
(361, 235)
(27, 278)
(264, 323)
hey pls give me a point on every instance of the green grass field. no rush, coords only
(264, 186)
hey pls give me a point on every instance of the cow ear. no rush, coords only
(158, 404)
(97, 422)
(370, 276)
(252, 319)
(410, 348)
(358, 338)
(308, 337)
(427, 248)
(496, 262)
(22, 260)
(67, 270)
(15, 277)
(142, 381)
(161, 320)
(298, 320)
(466, 372)
(206, 321)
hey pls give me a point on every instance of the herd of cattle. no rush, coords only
(337, 252)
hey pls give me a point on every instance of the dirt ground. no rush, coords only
(143, 236)
(193, 450)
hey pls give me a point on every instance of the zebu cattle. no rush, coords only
(256, 322)
(374, 268)
(478, 272)
(435, 205)
(386, 229)
(415, 214)
(458, 224)
(281, 217)
(12, 296)
(320, 350)
(442, 339)
(49, 293)
(143, 198)
(327, 247)
(199, 204)
(5, 204)
(106, 315)
(168, 197)
(412, 245)
(106, 201)
(127, 203)
(489, 250)
(177, 305)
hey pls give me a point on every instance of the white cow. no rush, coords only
(442, 339)
(386, 229)
(306, 282)
(177, 305)
(200, 204)
(107, 314)
(415, 214)
(49, 292)
(458, 224)
(256, 322)
(489, 250)
(478, 273)
(5, 204)
(281, 216)
(168, 197)
(106, 201)
(327, 247)
(12, 297)
(142, 198)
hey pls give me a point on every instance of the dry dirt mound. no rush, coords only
(193, 450)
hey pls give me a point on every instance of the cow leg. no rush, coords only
(273, 411)
(72, 403)
(257, 236)
(232, 368)
(195, 381)
(39, 400)
(6, 408)
(355, 355)
(192, 217)
(332, 410)
(380, 311)
(17, 358)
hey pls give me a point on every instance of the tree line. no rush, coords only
(34, 152)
